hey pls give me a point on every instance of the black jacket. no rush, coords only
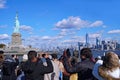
(11, 69)
(83, 68)
(36, 70)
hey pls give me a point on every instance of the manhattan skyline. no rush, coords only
(60, 22)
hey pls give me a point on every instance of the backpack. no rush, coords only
(7, 68)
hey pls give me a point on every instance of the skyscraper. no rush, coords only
(97, 43)
(87, 40)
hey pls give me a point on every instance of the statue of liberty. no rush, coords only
(17, 25)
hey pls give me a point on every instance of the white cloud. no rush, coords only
(63, 32)
(53, 38)
(76, 23)
(96, 23)
(2, 4)
(4, 37)
(71, 22)
(46, 38)
(67, 32)
(67, 41)
(94, 35)
(78, 39)
(56, 38)
(32, 40)
(114, 31)
(26, 28)
(43, 41)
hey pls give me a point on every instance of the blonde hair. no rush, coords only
(110, 62)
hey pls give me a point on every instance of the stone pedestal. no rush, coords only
(16, 39)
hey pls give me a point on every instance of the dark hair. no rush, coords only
(12, 55)
(54, 56)
(119, 56)
(68, 53)
(86, 52)
(32, 54)
(43, 55)
(1, 52)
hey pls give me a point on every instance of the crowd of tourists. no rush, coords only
(45, 66)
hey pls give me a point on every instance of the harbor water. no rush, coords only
(97, 53)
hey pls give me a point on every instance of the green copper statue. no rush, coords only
(17, 25)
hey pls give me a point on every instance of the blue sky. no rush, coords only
(60, 22)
